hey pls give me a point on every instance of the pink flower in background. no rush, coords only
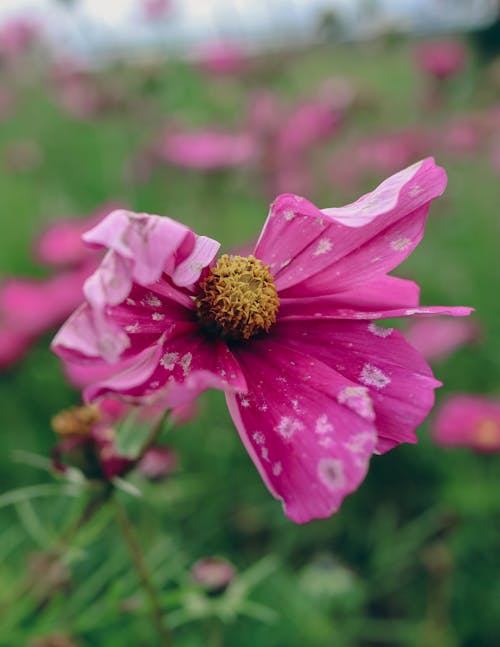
(378, 155)
(313, 384)
(437, 338)
(462, 137)
(155, 9)
(222, 59)
(17, 35)
(469, 421)
(441, 59)
(81, 94)
(274, 140)
(31, 307)
(158, 463)
(207, 150)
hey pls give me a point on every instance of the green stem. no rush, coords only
(142, 571)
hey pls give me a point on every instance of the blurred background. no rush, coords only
(205, 111)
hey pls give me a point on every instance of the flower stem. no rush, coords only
(142, 571)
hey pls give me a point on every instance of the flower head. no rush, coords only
(469, 421)
(314, 385)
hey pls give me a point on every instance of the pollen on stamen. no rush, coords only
(238, 298)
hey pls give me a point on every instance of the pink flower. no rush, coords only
(155, 9)
(158, 463)
(469, 421)
(437, 338)
(441, 59)
(313, 384)
(206, 150)
(51, 299)
(17, 35)
(222, 59)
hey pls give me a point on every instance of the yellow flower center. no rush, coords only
(487, 433)
(76, 421)
(238, 298)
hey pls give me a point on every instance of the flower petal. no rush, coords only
(301, 424)
(174, 371)
(334, 250)
(383, 293)
(400, 382)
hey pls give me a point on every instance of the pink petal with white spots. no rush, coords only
(300, 424)
(181, 369)
(400, 382)
(149, 242)
(346, 246)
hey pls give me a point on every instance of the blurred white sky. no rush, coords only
(93, 26)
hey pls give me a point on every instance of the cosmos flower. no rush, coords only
(314, 385)
(467, 420)
(222, 59)
(439, 337)
(53, 298)
(442, 58)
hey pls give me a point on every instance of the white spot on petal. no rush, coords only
(259, 438)
(288, 426)
(277, 468)
(289, 214)
(324, 245)
(379, 331)
(322, 425)
(157, 316)
(185, 362)
(373, 376)
(168, 361)
(152, 300)
(133, 328)
(331, 473)
(357, 399)
(400, 244)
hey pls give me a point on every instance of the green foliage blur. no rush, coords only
(412, 559)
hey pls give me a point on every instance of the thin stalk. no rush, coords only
(142, 572)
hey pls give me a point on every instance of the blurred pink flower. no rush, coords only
(462, 137)
(467, 420)
(442, 58)
(378, 155)
(313, 384)
(17, 35)
(222, 59)
(155, 9)
(207, 150)
(81, 93)
(31, 307)
(274, 140)
(158, 463)
(439, 337)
